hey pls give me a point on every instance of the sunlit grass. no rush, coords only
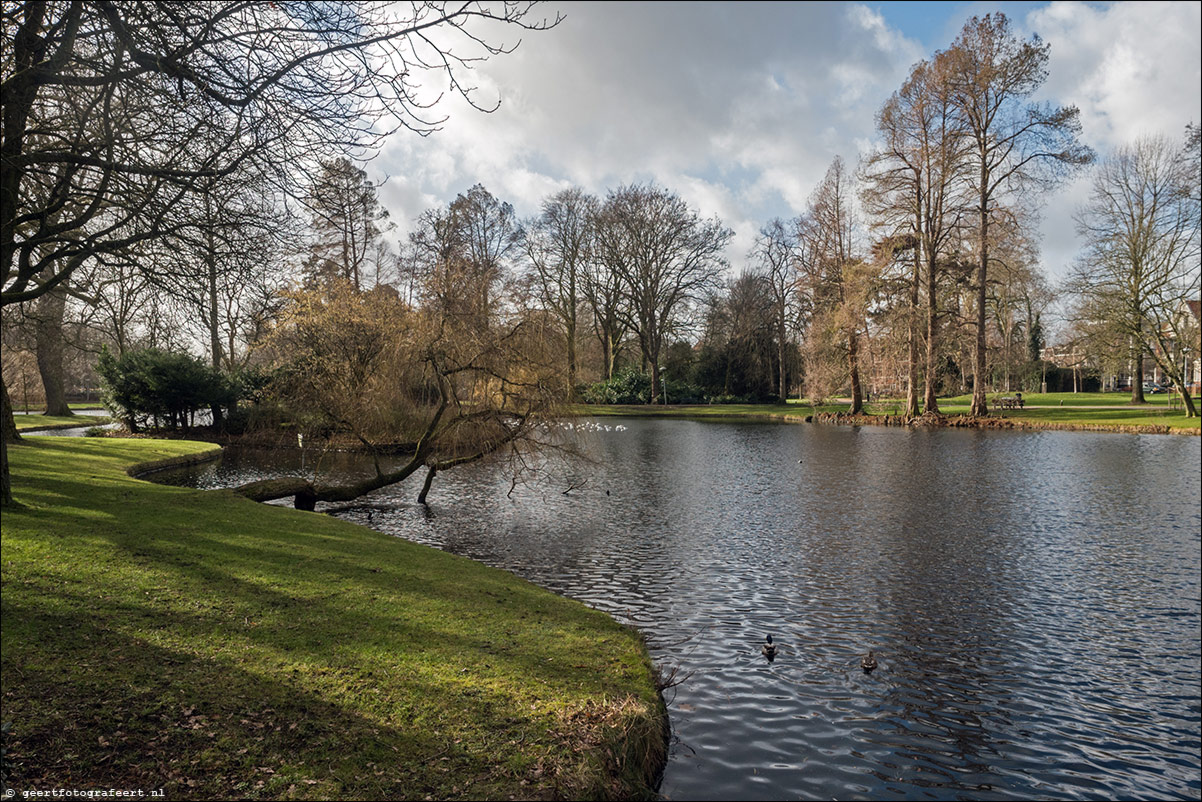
(1101, 409)
(29, 422)
(160, 637)
(1070, 399)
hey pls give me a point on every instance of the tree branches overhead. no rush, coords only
(115, 111)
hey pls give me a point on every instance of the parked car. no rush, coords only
(1155, 387)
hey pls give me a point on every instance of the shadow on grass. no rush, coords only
(192, 726)
(163, 637)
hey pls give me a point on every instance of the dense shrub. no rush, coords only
(627, 386)
(153, 387)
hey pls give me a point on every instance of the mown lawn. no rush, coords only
(1069, 399)
(1104, 409)
(694, 410)
(29, 422)
(164, 638)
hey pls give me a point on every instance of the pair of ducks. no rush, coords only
(867, 662)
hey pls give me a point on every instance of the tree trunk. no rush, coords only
(853, 366)
(781, 349)
(571, 343)
(430, 474)
(48, 331)
(8, 434)
(608, 347)
(979, 406)
(931, 400)
(912, 337)
(8, 425)
(306, 494)
(214, 328)
(1137, 377)
(1191, 411)
(654, 378)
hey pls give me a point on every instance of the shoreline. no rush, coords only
(780, 413)
(937, 421)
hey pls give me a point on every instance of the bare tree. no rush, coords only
(368, 366)
(559, 246)
(1015, 290)
(348, 222)
(1140, 263)
(601, 285)
(834, 274)
(113, 111)
(744, 335)
(464, 254)
(1012, 144)
(914, 189)
(774, 253)
(667, 258)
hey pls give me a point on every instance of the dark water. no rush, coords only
(1033, 599)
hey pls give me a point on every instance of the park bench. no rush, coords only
(1010, 402)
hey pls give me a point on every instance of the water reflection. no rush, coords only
(1033, 600)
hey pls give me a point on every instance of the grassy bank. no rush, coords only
(157, 637)
(766, 411)
(31, 422)
(1070, 409)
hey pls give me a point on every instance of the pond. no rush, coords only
(1033, 599)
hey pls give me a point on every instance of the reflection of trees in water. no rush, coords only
(947, 616)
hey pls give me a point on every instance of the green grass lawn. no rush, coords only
(164, 638)
(25, 422)
(1104, 409)
(1069, 399)
(1105, 417)
(693, 410)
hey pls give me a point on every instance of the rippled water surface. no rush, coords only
(1032, 598)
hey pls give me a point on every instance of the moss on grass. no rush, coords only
(160, 637)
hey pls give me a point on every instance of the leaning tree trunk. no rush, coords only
(1191, 411)
(430, 474)
(48, 332)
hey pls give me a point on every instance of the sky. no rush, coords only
(740, 107)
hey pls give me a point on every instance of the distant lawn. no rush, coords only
(1111, 417)
(692, 410)
(157, 637)
(1106, 414)
(49, 421)
(20, 408)
(1068, 399)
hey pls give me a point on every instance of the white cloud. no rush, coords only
(740, 107)
(1132, 69)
